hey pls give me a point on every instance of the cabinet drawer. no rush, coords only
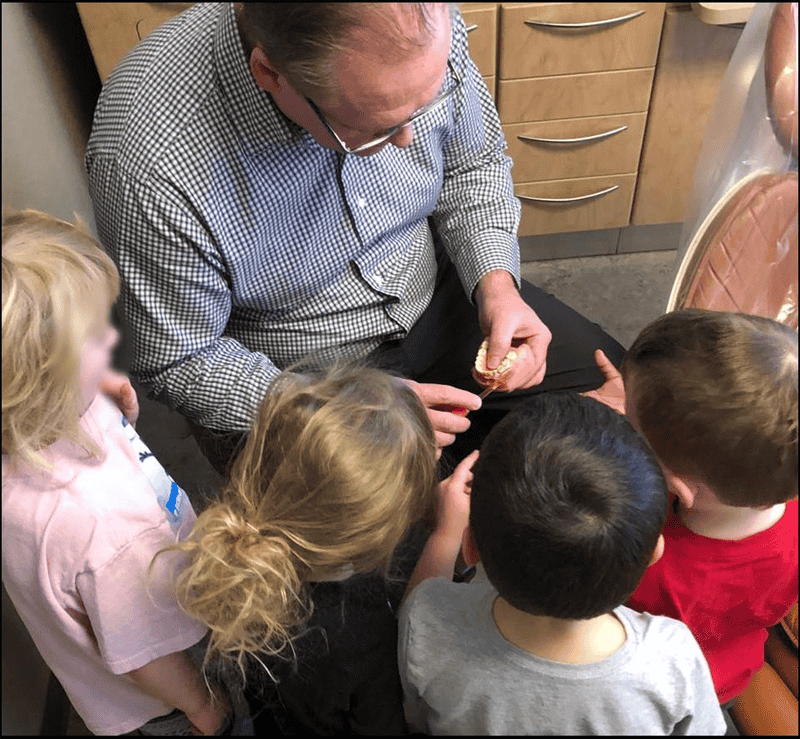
(574, 96)
(603, 44)
(605, 152)
(611, 210)
(483, 37)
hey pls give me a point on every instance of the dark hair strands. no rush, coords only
(567, 505)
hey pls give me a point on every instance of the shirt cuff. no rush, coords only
(485, 252)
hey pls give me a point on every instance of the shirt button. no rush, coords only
(379, 279)
(361, 203)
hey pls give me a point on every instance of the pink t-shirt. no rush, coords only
(75, 554)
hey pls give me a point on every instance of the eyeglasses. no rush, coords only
(437, 103)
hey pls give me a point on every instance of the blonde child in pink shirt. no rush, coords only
(85, 504)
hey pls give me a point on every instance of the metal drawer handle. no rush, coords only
(581, 140)
(470, 29)
(588, 24)
(569, 200)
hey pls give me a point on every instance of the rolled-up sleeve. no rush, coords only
(477, 214)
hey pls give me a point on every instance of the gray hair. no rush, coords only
(302, 39)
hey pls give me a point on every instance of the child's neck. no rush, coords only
(709, 517)
(558, 639)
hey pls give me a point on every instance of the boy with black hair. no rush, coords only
(566, 508)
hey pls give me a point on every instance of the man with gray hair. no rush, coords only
(303, 182)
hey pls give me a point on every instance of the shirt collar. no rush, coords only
(257, 119)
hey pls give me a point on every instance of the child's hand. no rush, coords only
(441, 550)
(210, 718)
(118, 387)
(612, 392)
(453, 493)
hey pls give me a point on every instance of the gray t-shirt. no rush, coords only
(461, 676)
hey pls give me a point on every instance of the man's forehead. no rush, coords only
(376, 84)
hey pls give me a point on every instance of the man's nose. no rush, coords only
(403, 137)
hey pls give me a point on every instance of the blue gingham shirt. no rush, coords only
(245, 246)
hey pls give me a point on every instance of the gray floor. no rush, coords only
(622, 293)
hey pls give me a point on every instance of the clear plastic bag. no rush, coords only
(738, 247)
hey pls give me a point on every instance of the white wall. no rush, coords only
(44, 125)
(48, 84)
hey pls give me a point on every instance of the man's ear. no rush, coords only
(469, 550)
(266, 77)
(658, 551)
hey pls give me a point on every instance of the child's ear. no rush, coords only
(469, 550)
(658, 551)
(684, 489)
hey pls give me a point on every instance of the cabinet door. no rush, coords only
(113, 29)
(574, 95)
(691, 64)
(481, 20)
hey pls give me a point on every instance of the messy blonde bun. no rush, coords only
(337, 467)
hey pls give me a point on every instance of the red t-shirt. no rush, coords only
(727, 592)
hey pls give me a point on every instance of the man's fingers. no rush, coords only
(499, 345)
(528, 369)
(448, 423)
(531, 367)
(443, 440)
(444, 397)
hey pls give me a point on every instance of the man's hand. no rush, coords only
(118, 387)
(509, 322)
(445, 405)
(612, 391)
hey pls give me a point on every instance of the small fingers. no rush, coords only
(604, 364)
(463, 469)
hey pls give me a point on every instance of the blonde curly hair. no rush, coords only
(337, 467)
(58, 285)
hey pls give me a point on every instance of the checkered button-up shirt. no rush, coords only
(245, 246)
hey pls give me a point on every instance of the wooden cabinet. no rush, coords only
(541, 39)
(481, 21)
(577, 147)
(693, 59)
(574, 96)
(574, 83)
(113, 29)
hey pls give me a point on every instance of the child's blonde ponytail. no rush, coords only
(244, 583)
(337, 467)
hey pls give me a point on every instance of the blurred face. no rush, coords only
(96, 359)
(373, 96)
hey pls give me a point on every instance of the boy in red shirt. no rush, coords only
(715, 395)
